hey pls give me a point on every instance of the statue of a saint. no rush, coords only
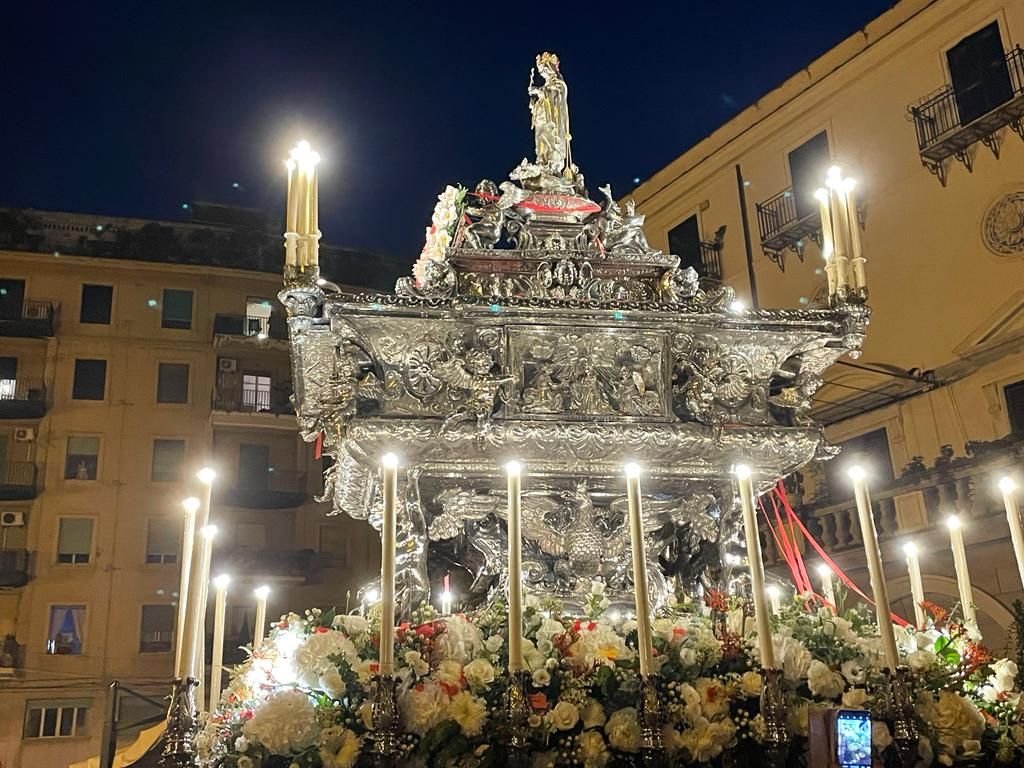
(549, 108)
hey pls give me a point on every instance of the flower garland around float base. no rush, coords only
(302, 699)
(443, 224)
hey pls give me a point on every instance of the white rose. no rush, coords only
(541, 677)
(593, 749)
(494, 643)
(623, 730)
(824, 681)
(333, 683)
(593, 713)
(750, 684)
(352, 623)
(563, 716)
(241, 744)
(414, 660)
(1004, 675)
(855, 698)
(854, 672)
(796, 659)
(545, 646)
(479, 673)
(687, 656)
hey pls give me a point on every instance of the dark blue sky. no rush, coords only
(134, 108)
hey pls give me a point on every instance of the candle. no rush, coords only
(259, 626)
(773, 599)
(513, 471)
(636, 536)
(220, 586)
(883, 612)
(194, 612)
(963, 576)
(1009, 488)
(916, 584)
(314, 215)
(754, 558)
(446, 595)
(292, 210)
(191, 505)
(856, 250)
(840, 238)
(198, 665)
(827, 588)
(389, 483)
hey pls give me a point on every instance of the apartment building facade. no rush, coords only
(124, 367)
(924, 108)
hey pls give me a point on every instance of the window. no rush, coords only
(47, 719)
(96, 303)
(871, 451)
(1014, 394)
(82, 458)
(257, 316)
(177, 309)
(162, 540)
(67, 622)
(979, 75)
(684, 242)
(255, 392)
(8, 378)
(168, 458)
(90, 380)
(253, 466)
(74, 540)
(172, 383)
(12, 298)
(157, 629)
(808, 165)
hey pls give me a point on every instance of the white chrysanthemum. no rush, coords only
(343, 750)
(461, 640)
(469, 712)
(599, 646)
(592, 713)
(623, 730)
(414, 660)
(423, 707)
(593, 750)
(449, 672)
(285, 724)
(707, 739)
(312, 657)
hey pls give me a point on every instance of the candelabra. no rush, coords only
(650, 723)
(517, 710)
(384, 714)
(180, 733)
(773, 712)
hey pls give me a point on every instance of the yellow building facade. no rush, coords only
(923, 107)
(119, 378)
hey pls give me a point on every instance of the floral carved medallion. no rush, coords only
(1002, 229)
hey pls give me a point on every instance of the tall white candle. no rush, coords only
(513, 472)
(853, 224)
(645, 645)
(220, 586)
(314, 214)
(292, 210)
(916, 583)
(963, 576)
(827, 586)
(1009, 489)
(194, 613)
(883, 612)
(389, 486)
(259, 627)
(191, 506)
(209, 533)
(841, 237)
(756, 561)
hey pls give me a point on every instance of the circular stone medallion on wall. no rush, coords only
(1002, 227)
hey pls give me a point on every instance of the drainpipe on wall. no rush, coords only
(741, 190)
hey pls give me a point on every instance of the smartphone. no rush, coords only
(853, 738)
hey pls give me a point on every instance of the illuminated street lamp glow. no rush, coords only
(206, 475)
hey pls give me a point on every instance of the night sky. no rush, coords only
(134, 108)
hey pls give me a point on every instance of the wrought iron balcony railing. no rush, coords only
(276, 400)
(22, 398)
(943, 131)
(710, 269)
(33, 317)
(250, 325)
(784, 226)
(14, 567)
(18, 481)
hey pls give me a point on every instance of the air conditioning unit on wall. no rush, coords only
(24, 435)
(12, 519)
(227, 364)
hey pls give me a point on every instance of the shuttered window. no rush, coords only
(74, 540)
(1015, 405)
(162, 540)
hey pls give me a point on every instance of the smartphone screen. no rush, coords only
(853, 738)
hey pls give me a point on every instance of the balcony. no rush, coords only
(18, 481)
(30, 319)
(942, 131)
(246, 407)
(252, 327)
(14, 564)
(22, 398)
(784, 227)
(12, 656)
(710, 267)
(295, 566)
(921, 499)
(276, 489)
